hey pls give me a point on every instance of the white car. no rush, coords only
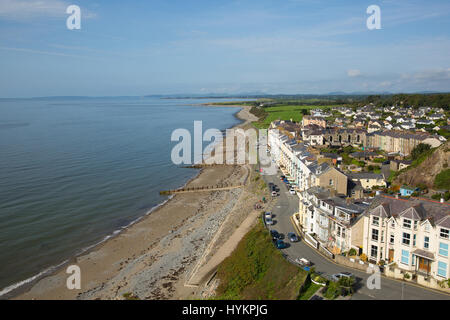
(268, 215)
(292, 191)
(274, 194)
(303, 262)
(269, 221)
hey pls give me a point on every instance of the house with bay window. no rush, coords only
(412, 233)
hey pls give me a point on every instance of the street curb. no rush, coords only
(384, 276)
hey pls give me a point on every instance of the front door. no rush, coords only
(391, 255)
(424, 265)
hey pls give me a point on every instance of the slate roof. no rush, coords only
(365, 175)
(415, 209)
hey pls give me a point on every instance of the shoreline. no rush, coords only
(22, 289)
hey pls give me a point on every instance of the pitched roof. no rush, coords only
(415, 209)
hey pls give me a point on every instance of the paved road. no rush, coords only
(390, 289)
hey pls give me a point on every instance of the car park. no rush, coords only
(292, 237)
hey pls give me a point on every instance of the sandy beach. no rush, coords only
(172, 252)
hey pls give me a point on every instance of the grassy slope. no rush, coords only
(256, 270)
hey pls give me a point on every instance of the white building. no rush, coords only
(413, 234)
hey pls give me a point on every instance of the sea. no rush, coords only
(76, 171)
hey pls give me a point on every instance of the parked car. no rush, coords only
(269, 221)
(268, 214)
(292, 191)
(303, 262)
(292, 237)
(282, 178)
(281, 244)
(274, 194)
(275, 235)
(340, 275)
(271, 184)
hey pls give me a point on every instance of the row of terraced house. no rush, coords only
(407, 235)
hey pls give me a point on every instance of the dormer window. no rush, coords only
(375, 221)
(407, 223)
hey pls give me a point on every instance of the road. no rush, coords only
(390, 289)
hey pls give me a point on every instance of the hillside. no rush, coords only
(426, 172)
(256, 270)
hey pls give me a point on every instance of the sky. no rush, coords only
(222, 46)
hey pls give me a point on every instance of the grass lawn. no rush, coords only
(310, 291)
(285, 112)
(257, 270)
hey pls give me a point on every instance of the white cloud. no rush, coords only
(27, 9)
(353, 73)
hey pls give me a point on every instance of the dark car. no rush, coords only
(281, 244)
(292, 237)
(275, 235)
(270, 184)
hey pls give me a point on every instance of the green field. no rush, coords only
(257, 270)
(285, 112)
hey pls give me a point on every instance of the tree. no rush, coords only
(420, 149)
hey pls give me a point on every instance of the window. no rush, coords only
(406, 238)
(405, 257)
(442, 269)
(393, 224)
(414, 240)
(343, 233)
(339, 231)
(407, 223)
(375, 221)
(426, 243)
(392, 239)
(444, 233)
(443, 249)
(331, 182)
(374, 234)
(374, 251)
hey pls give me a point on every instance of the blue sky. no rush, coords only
(222, 46)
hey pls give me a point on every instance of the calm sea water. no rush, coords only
(73, 171)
